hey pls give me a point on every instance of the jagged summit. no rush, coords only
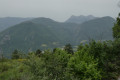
(80, 19)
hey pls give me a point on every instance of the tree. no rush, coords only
(83, 66)
(15, 54)
(38, 53)
(80, 47)
(56, 64)
(54, 50)
(68, 48)
(36, 67)
(116, 28)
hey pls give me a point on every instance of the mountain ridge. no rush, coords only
(46, 33)
(80, 19)
(97, 28)
(6, 22)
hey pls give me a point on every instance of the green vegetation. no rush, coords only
(93, 61)
(7, 22)
(68, 49)
(116, 28)
(97, 29)
(44, 33)
(97, 60)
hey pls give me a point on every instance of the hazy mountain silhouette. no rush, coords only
(46, 33)
(98, 29)
(80, 19)
(10, 21)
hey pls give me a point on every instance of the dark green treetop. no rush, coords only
(68, 48)
(116, 28)
(38, 52)
(15, 54)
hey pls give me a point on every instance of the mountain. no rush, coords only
(27, 36)
(37, 33)
(65, 31)
(10, 21)
(43, 33)
(80, 19)
(98, 29)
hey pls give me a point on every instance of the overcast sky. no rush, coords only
(59, 10)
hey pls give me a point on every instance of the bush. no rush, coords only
(83, 66)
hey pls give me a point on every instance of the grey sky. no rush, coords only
(58, 10)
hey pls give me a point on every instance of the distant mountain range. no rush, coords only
(43, 33)
(80, 19)
(97, 29)
(11, 21)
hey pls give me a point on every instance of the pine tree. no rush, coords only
(15, 54)
(116, 28)
(38, 53)
(68, 48)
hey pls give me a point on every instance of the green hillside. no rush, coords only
(44, 33)
(65, 31)
(97, 29)
(95, 60)
(7, 22)
(27, 36)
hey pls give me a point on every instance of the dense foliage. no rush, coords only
(116, 28)
(98, 60)
(93, 61)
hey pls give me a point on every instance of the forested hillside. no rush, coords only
(11, 21)
(98, 60)
(97, 29)
(59, 39)
(45, 33)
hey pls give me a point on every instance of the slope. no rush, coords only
(80, 19)
(27, 36)
(44, 33)
(10, 21)
(98, 29)
(65, 31)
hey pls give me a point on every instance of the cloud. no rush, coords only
(59, 10)
(118, 4)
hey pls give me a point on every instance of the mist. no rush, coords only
(59, 10)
